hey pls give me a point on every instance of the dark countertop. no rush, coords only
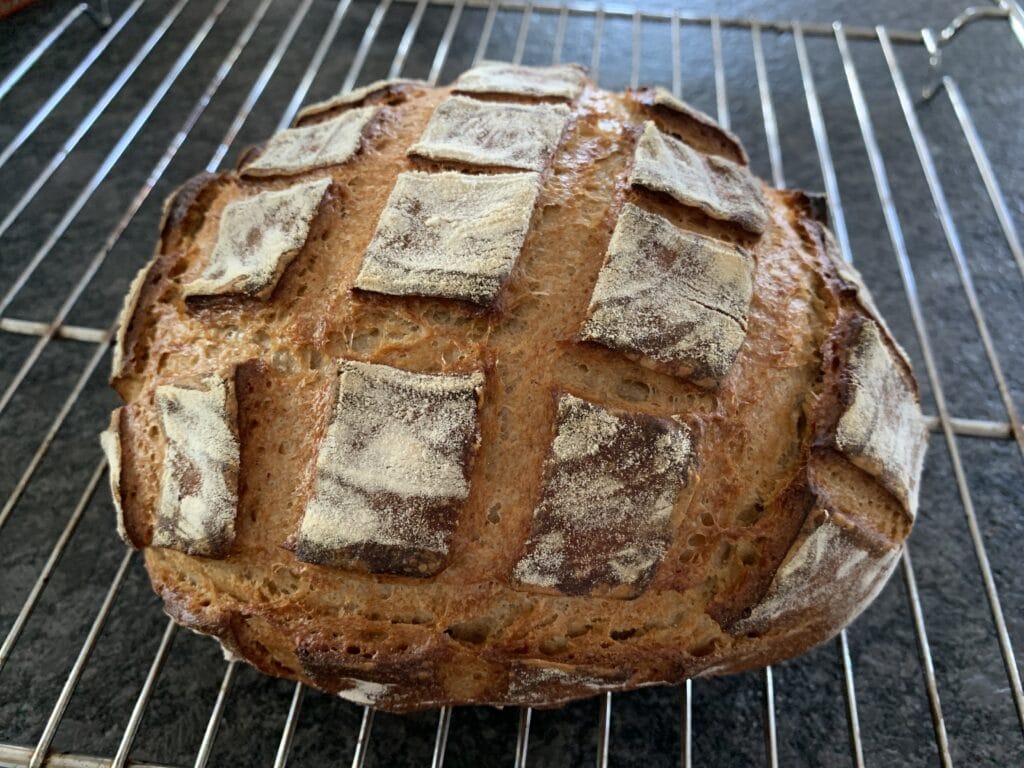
(728, 719)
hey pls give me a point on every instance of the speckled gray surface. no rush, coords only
(728, 716)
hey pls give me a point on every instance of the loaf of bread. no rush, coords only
(508, 392)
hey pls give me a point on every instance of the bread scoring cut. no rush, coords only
(493, 133)
(199, 482)
(611, 481)
(880, 429)
(449, 235)
(718, 187)
(561, 81)
(675, 299)
(258, 236)
(706, 132)
(393, 470)
(309, 147)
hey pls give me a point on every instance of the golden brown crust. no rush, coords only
(781, 531)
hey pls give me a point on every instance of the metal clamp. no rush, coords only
(100, 15)
(935, 42)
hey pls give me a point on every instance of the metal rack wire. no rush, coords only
(474, 23)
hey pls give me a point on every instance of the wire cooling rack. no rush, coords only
(105, 110)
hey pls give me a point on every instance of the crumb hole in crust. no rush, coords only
(751, 514)
(724, 553)
(494, 513)
(748, 552)
(704, 649)
(551, 646)
(474, 632)
(577, 629)
(634, 391)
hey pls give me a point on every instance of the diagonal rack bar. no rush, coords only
(40, 48)
(478, 29)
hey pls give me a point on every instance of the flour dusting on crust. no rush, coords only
(258, 237)
(720, 188)
(393, 470)
(561, 81)
(493, 133)
(309, 147)
(364, 692)
(545, 683)
(881, 429)
(675, 298)
(199, 483)
(831, 572)
(450, 235)
(110, 440)
(660, 97)
(356, 96)
(611, 480)
(131, 301)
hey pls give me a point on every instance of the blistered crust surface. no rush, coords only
(881, 429)
(257, 237)
(562, 81)
(493, 133)
(611, 480)
(718, 187)
(675, 298)
(309, 147)
(450, 235)
(393, 470)
(199, 484)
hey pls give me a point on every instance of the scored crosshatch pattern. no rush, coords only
(929, 676)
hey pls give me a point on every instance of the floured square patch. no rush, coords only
(833, 571)
(718, 187)
(309, 147)
(658, 98)
(393, 470)
(380, 90)
(199, 483)
(450, 235)
(110, 441)
(603, 521)
(881, 429)
(675, 300)
(258, 238)
(561, 81)
(493, 133)
(533, 682)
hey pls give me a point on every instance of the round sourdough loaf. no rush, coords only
(510, 392)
